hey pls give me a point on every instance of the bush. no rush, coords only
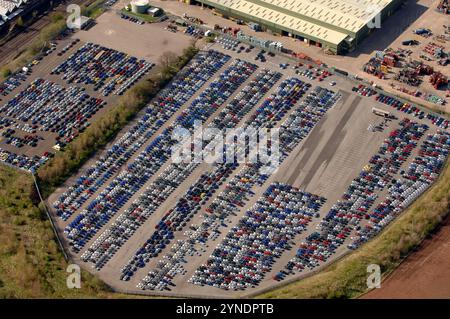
(47, 33)
(6, 72)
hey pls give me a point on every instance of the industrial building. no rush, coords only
(336, 25)
(12, 10)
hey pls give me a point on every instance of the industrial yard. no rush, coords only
(354, 154)
(332, 151)
(395, 29)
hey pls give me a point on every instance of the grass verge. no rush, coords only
(346, 278)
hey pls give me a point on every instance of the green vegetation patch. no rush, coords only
(41, 42)
(31, 264)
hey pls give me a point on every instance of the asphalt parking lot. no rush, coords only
(40, 70)
(330, 154)
(56, 99)
(147, 41)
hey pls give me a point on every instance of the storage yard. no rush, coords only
(418, 65)
(144, 224)
(394, 30)
(352, 158)
(48, 103)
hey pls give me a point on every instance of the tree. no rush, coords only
(19, 22)
(56, 16)
(6, 72)
(167, 61)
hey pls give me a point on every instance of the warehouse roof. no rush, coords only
(284, 20)
(327, 20)
(350, 15)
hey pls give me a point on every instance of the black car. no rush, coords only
(410, 42)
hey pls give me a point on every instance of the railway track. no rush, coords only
(14, 46)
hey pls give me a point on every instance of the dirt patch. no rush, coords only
(424, 274)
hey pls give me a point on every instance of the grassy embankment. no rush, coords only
(31, 265)
(144, 17)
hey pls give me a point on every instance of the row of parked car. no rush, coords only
(408, 108)
(110, 3)
(130, 180)
(51, 107)
(419, 176)
(104, 68)
(129, 221)
(177, 218)
(235, 195)
(228, 43)
(25, 127)
(348, 213)
(271, 109)
(298, 125)
(250, 248)
(22, 161)
(363, 90)
(12, 82)
(203, 66)
(208, 229)
(194, 31)
(31, 140)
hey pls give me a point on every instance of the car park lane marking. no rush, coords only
(329, 148)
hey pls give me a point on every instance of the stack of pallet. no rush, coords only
(424, 69)
(374, 67)
(408, 76)
(434, 49)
